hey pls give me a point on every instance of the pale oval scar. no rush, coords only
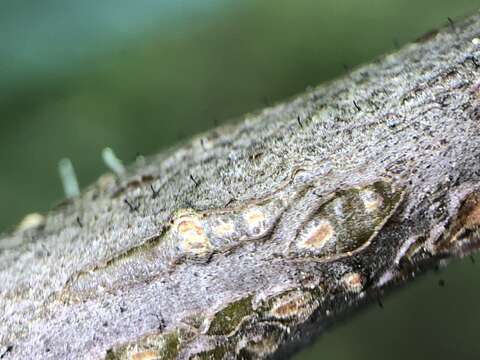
(294, 304)
(224, 229)
(318, 236)
(254, 220)
(191, 235)
(346, 223)
(254, 217)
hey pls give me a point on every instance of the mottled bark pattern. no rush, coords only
(259, 235)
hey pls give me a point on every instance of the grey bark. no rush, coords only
(250, 240)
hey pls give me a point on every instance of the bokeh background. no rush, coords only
(76, 76)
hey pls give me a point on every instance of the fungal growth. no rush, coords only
(348, 221)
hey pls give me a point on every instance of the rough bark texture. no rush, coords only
(253, 238)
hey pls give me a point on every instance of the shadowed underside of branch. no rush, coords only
(251, 239)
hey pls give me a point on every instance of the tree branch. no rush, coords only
(250, 240)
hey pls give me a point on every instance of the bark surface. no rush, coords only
(250, 240)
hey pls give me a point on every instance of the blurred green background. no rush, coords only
(76, 76)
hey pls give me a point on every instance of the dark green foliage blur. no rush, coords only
(139, 76)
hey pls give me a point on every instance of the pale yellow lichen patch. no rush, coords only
(254, 217)
(317, 236)
(31, 221)
(254, 220)
(224, 228)
(353, 282)
(189, 230)
(295, 304)
(146, 355)
(371, 200)
(189, 227)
